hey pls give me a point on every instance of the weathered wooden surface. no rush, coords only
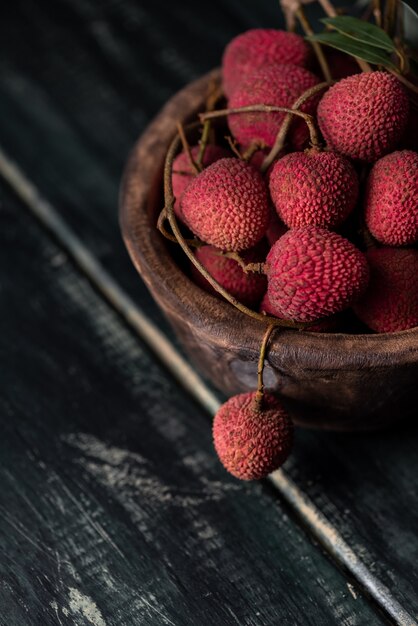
(78, 81)
(113, 508)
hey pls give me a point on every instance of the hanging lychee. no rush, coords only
(252, 432)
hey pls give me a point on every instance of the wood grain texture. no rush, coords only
(336, 381)
(113, 507)
(69, 121)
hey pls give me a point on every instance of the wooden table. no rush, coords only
(113, 507)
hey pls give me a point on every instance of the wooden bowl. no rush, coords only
(336, 381)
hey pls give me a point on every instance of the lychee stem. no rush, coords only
(169, 208)
(281, 135)
(186, 147)
(214, 93)
(233, 146)
(308, 30)
(256, 268)
(251, 150)
(193, 243)
(267, 108)
(260, 369)
(377, 12)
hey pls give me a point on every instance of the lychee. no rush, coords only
(364, 116)
(326, 325)
(251, 440)
(313, 273)
(391, 200)
(259, 47)
(227, 205)
(313, 187)
(276, 85)
(246, 288)
(183, 172)
(391, 300)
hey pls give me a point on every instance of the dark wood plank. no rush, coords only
(69, 110)
(113, 508)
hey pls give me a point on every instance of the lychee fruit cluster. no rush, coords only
(300, 223)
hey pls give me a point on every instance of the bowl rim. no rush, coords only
(165, 278)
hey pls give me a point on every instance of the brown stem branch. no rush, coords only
(328, 8)
(260, 369)
(256, 268)
(307, 28)
(251, 150)
(186, 147)
(281, 135)
(268, 108)
(377, 12)
(233, 146)
(193, 243)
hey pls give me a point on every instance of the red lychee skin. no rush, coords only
(251, 443)
(329, 324)
(259, 47)
(313, 187)
(227, 206)
(276, 85)
(364, 116)
(246, 288)
(390, 303)
(313, 273)
(183, 172)
(391, 199)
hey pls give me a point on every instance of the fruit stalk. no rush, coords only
(266, 108)
(281, 135)
(260, 370)
(307, 28)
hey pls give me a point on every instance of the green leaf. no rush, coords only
(358, 49)
(361, 31)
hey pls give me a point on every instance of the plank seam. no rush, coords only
(183, 372)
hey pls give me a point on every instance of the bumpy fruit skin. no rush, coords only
(391, 200)
(312, 187)
(183, 172)
(246, 288)
(251, 443)
(226, 205)
(327, 325)
(313, 273)
(391, 300)
(364, 116)
(259, 47)
(277, 85)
